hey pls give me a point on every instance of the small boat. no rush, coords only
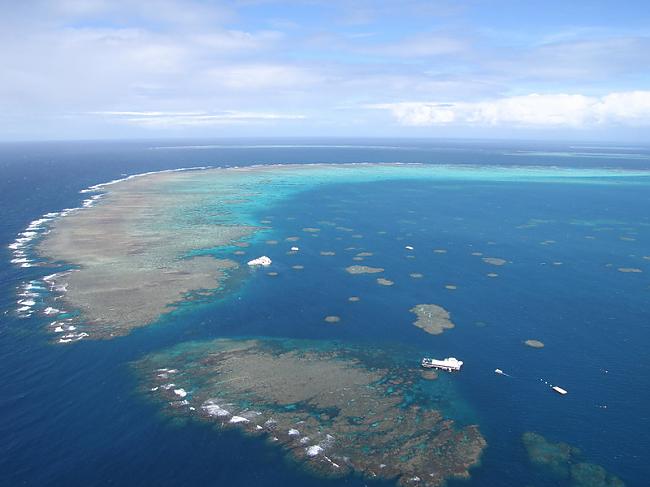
(449, 364)
(498, 371)
(559, 390)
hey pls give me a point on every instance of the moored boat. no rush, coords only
(449, 364)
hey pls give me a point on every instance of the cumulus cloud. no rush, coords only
(541, 110)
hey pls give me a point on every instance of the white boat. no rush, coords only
(559, 390)
(450, 364)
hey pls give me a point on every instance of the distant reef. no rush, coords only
(154, 241)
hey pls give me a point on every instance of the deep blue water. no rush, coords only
(72, 415)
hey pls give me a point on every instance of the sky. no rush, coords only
(101, 69)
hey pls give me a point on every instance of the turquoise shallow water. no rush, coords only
(72, 415)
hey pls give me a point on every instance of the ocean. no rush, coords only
(76, 415)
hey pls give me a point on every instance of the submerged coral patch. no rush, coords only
(630, 270)
(564, 462)
(432, 318)
(364, 254)
(363, 269)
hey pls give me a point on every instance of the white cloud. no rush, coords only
(180, 13)
(257, 76)
(540, 110)
(193, 64)
(631, 107)
(231, 40)
(161, 119)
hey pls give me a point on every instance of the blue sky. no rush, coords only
(74, 69)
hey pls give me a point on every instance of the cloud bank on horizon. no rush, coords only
(441, 68)
(530, 110)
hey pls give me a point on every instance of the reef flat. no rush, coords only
(336, 410)
(132, 255)
(562, 461)
(150, 242)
